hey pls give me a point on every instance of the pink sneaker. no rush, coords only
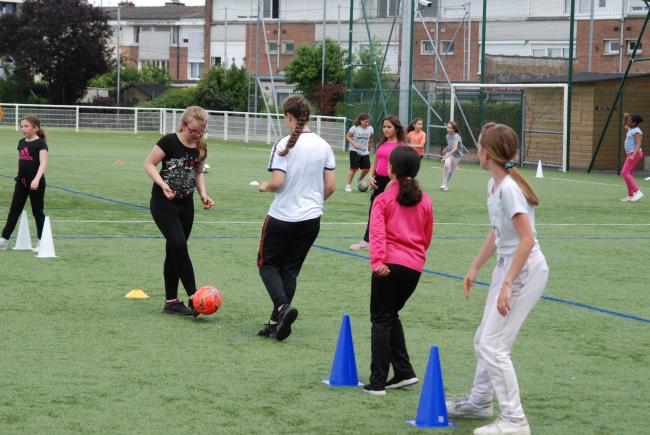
(360, 246)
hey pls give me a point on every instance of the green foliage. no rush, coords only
(365, 76)
(176, 98)
(65, 42)
(129, 75)
(304, 72)
(18, 87)
(224, 89)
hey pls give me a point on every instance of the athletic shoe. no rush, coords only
(268, 330)
(444, 187)
(287, 315)
(4, 243)
(503, 426)
(176, 307)
(190, 305)
(627, 198)
(397, 383)
(360, 246)
(348, 188)
(463, 407)
(637, 196)
(37, 247)
(373, 390)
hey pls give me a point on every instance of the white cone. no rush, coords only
(539, 174)
(24, 239)
(46, 249)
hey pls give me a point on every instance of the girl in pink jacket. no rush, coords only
(401, 224)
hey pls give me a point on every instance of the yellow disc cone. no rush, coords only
(136, 293)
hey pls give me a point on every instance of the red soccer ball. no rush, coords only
(207, 300)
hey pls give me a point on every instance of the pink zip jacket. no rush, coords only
(398, 234)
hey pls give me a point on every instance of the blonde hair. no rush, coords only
(195, 113)
(36, 123)
(501, 143)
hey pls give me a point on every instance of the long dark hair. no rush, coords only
(399, 130)
(298, 107)
(361, 117)
(411, 126)
(405, 165)
(36, 123)
(501, 144)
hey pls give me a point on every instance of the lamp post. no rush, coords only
(119, 66)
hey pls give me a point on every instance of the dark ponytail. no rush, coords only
(298, 107)
(405, 164)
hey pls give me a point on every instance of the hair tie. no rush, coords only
(509, 164)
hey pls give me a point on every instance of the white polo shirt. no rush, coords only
(507, 201)
(302, 194)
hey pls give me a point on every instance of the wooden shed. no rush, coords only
(592, 98)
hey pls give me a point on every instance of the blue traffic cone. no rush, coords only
(432, 410)
(344, 366)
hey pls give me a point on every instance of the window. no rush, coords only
(426, 48)
(539, 52)
(136, 34)
(271, 9)
(602, 3)
(387, 8)
(631, 43)
(215, 60)
(272, 47)
(555, 52)
(175, 35)
(196, 70)
(446, 47)
(158, 63)
(288, 47)
(611, 46)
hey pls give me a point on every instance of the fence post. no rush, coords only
(246, 124)
(17, 123)
(76, 121)
(268, 129)
(173, 118)
(135, 120)
(161, 122)
(225, 126)
(318, 123)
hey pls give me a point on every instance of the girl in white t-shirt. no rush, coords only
(302, 175)
(518, 281)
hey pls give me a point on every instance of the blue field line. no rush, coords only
(485, 284)
(76, 192)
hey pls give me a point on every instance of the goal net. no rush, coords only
(537, 112)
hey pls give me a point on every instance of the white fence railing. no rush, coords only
(235, 126)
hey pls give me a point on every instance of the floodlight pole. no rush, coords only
(567, 161)
(406, 66)
(119, 66)
(348, 102)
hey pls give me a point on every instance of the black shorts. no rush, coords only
(358, 161)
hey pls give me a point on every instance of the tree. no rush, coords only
(365, 76)
(224, 89)
(129, 75)
(18, 87)
(304, 72)
(174, 98)
(63, 41)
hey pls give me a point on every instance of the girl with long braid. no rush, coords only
(302, 176)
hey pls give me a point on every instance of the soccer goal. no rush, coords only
(537, 112)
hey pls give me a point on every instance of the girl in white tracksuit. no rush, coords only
(518, 281)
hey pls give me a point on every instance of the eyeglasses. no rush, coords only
(194, 131)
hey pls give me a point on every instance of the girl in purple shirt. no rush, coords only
(401, 224)
(394, 136)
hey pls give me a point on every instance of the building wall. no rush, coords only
(178, 63)
(299, 34)
(130, 55)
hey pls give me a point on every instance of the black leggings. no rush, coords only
(175, 219)
(283, 249)
(37, 200)
(381, 181)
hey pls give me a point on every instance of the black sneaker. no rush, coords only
(374, 390)
(176, 307)
(397, 383)
(190, 305)
(288, 315)
(268, 330)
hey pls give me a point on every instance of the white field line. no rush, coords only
(464, 224)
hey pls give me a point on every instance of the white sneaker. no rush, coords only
(627, 199)
(637, 196)
(37, 247)
(647, 178)
(4, 243)
(348, 188)
(360, 246)
(503, 426)
(463, 407)
(444, 187)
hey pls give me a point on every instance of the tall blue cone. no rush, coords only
(344, 366)
(432, 410)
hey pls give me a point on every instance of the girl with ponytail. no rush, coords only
(302, 176)
(518, 282)
(401, 224)
(30, 182)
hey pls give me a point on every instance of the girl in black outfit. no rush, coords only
(182, 155)
(30, 182)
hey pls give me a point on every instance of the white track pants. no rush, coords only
(496, 334)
